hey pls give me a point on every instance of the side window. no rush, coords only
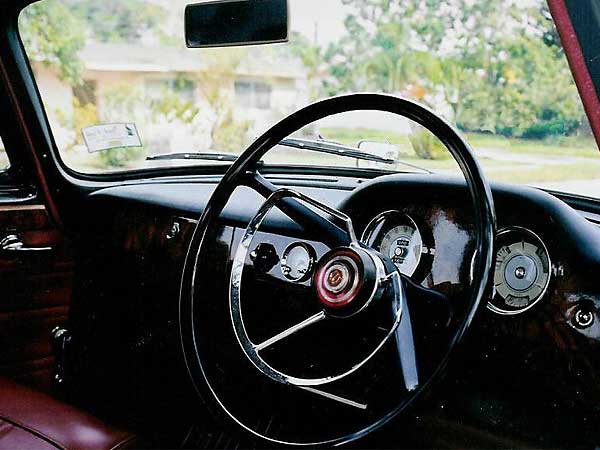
(4, 163)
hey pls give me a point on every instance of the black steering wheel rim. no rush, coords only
(484, 221)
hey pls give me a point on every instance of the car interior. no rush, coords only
(291, 289)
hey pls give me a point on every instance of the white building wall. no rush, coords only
(58, 99)
(161, 134)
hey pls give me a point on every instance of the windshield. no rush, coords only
(121, 90)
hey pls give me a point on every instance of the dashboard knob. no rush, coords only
(264, 257)
(583, 318)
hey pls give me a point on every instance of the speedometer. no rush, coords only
(403, 245)
(397, 236)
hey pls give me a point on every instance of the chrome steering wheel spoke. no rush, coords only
(290, 331)
(405, 341)
(288, 202)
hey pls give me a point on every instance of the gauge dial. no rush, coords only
(397, 236)
(403, 245)
(522, 271)
(297, 262)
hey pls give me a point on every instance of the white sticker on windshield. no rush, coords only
(111, 135)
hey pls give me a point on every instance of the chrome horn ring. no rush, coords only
(251, 349)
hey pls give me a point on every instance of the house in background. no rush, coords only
(260, 89)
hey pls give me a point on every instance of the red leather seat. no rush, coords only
(32, 420)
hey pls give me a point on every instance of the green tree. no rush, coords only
(312, 57)
(497, 65)
(118, 20)
(216, 85)
(54, 36)
(55, 31)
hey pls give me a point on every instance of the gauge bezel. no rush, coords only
(537, 241)
(367, 233)
(312, 257)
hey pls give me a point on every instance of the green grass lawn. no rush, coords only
(581, 146)
(541, 174)
(564, 146)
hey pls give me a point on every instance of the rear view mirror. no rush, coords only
(226, 23)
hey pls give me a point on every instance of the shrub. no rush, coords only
(230, 135)
(120, 157)
(556, 127)
(427, 146)
(83, 116)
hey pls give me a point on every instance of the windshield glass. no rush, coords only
(121, 90)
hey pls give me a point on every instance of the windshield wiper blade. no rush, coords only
(334, 148)
(320, 146)
(225, 157)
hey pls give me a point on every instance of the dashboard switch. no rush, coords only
(583, 318)
(264, 257)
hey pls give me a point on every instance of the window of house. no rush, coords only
(183, 88)
(253, 94)
(4, 163)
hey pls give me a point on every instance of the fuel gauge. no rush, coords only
(298, 262)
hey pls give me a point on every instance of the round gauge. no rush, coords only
(297, 262)
(396, 236)
(403, 245)
(521, 273)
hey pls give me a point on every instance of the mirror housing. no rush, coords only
(227, 23)
(382, 149)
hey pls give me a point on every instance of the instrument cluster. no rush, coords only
(521, 274)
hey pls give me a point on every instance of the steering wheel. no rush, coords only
(284, 371)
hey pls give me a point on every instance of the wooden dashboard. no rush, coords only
(126, 306)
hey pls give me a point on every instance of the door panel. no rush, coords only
(35, 293)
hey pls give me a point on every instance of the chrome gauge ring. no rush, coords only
(397, 236)
(297, 262)
(522, 271)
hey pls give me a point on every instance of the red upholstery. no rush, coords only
(31, 420)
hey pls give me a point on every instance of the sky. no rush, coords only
(327, 15)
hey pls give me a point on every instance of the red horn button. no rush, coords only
(339, 278)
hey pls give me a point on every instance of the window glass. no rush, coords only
(495, 69)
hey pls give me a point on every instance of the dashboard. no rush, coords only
(541, 315)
